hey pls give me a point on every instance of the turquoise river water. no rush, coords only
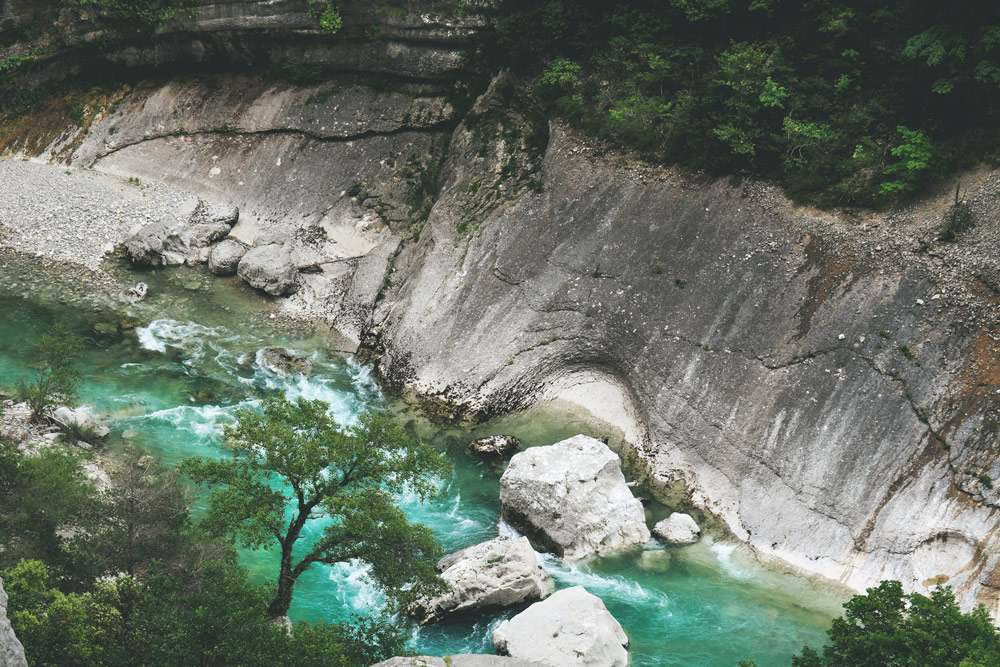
(189, 357)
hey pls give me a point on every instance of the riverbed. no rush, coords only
(174, 368)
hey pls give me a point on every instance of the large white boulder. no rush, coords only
(571, 498)
(678, 528)
(497, 573)
(66, 416)
(571, 627)
(269, 268)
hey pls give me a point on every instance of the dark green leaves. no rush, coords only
(885, 627)
(292, 464)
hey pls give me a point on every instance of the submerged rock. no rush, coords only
(678, 528)
(225, 257)
(284, 359)
(66, 416)
(572, 627)
(571, 498)
(497, 573)
(269, 268)
(495, 446)
(11, 650)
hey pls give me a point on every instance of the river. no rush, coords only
(174, 368)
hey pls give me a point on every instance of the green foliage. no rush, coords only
(133, 19)
(292, 465)
(844, 102)
(886, 627)
(57, 380)
(327, 14)
(219, 621)
(986, 481)
(40, 496)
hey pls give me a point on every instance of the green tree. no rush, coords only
(886, 627)
(42, 495)
(293, 465)
(57, 379)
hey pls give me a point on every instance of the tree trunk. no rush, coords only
(286, 582)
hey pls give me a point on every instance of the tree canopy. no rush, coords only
(846, 102)
(292, 465)
(887, 628)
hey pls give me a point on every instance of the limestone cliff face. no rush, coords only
(11, 651)
(824, 385)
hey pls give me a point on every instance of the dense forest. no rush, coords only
(846, 103)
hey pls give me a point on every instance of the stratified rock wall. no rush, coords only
(812, 380)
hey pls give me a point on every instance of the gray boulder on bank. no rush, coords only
(467, 660)
(225, 257)
(158, 244)
(11, 650)
(497, 573)
(270, 268)
(66, 416)
(571, 498)
(495, 446)
(572, 627)
(678, 528)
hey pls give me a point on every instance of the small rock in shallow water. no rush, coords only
(678, 528)
(495, 446)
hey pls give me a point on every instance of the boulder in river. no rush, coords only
(571, 498)
(225, 257)
(678, 528)
(66, 416)
(495, 446)
(571, 627)
(281, 358)
(158, 244)
(269, 268)
(466, 660)
(497, 573)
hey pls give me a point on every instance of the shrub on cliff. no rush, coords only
(886, 627)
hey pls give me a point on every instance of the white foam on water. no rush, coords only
(344, 408)
(604, 586)
(196, 341)
(724, 554)
(355, 590)
(204, 421)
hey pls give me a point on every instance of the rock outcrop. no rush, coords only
(269, 268)
(11, 650)
(571, 498)
(498, 573)
(572, 627)
(494, 447)
(678, 528)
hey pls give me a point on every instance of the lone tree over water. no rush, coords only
(291, 465)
